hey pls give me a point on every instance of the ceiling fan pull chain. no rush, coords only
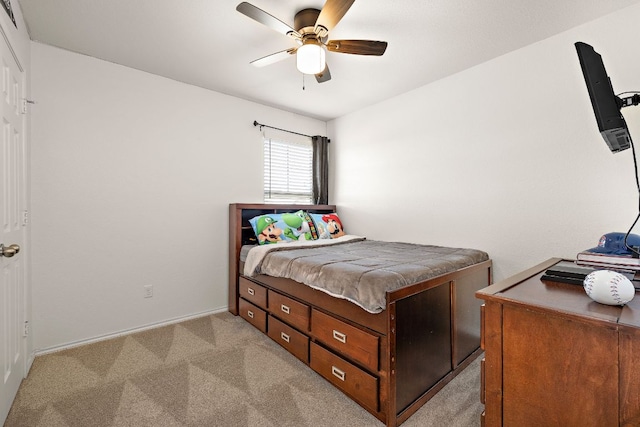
(303, 88)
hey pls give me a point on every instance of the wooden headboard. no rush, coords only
(241, 233)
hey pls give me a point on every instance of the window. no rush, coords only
(288, 169)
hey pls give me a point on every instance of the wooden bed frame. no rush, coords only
(391, 363)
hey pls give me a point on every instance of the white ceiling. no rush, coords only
(208, 43)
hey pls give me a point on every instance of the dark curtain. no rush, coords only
(320, 169)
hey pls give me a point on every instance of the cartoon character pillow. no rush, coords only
(285, 227)
(329, 225)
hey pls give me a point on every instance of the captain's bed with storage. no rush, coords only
(389, 324)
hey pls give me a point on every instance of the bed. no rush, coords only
(389, 353)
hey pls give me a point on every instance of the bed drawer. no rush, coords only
(254, 315)
(352, 342)
(293, 312)
(295, 342)
(355, 382)
(253, 292)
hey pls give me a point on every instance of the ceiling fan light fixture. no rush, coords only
(310, 57)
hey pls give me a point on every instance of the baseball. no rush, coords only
(609, 287)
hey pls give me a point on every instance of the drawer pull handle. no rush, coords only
(250, 313)
(340, 336)
(284, 336)
(284, 308)
(482, 308)
(337, 373)
(251, 291)
(482, 382)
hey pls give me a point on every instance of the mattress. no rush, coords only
(244, 250)
(356, 269)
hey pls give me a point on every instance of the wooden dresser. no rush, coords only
(554, 357)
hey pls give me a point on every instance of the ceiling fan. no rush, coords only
(311, 33)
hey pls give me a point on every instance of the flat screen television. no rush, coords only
(606, 105)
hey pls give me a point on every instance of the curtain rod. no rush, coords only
(255, 123)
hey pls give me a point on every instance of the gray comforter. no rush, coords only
(360, 270)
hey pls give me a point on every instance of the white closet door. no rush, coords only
(13, 198)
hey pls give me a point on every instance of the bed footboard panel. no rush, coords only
(437, 335)
(423, 343)
(466, 314)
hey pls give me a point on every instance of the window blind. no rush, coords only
(288, 172)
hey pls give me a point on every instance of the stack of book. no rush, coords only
(607, 261)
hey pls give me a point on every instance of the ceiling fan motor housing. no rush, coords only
(305, 21)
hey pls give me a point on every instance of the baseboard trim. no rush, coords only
(73, 344)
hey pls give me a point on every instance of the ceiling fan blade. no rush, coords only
(274, 57)
(264, 18)
(331, 13)
(324, 76)
(357, 47)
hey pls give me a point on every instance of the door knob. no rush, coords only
(9, 251)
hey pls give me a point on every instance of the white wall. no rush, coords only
(504, 157)
(132, 177)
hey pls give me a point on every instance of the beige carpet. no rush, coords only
(212, 371)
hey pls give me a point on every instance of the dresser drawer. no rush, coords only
(253, 292)
(291, 311)
(295, 342)
(254, 315)
(355, 382)
(349, 341)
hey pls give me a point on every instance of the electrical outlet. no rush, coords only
(148, 291)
